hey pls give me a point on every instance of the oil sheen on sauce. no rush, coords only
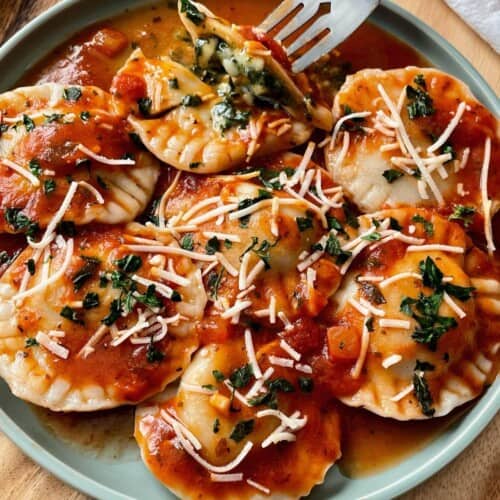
(370, 443)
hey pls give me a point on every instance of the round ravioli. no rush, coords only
(268, 253)
(406, 317)
(210, 440)
(239, 101)
(52, 135)
(418, 137)
(87, 325)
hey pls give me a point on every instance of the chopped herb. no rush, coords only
(248, 202)
(129, 263)
(30, 264)
(212, 246)
(66, 228)
(85, 116)
(463, 213)
(192, 12)
(218, 375)
(28, 123)
(228, 243)
(431, 274)
(280, 384)
(176, 296)
(103, 281)
(69, 313)
(241, 376)
(394, 224)
(173, 83)
(210, 387)
(353, 124)
(153, 355)
(420, 81)
(423, 394)
(150, 298)
(428, 225)
(216, 426)
(136, 139)
(391, 175)
(20, 222)
(145, 104)
(241, 429)
(187, 242)
(195, 164)
(72, 94)
(85, 272)
(334, 223)
(424, 366)
(306, 384)
(371, 293)
(115, 311)
(91, 300)
(369, 324)
(372, 237)
(350, 218)
(334, 249)
(462, 293)
(225, 116)
(420, 102)
(448, 148)
(431, 327)
(191, 101)
(304, 223)
(49, 185)
(101, 182)
(31, 342)
(54, 117)
(214, 281)
(35, 167)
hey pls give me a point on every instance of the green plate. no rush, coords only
(103, 477)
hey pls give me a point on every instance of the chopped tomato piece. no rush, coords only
(343, 342)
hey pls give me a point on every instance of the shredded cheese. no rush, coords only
(483, 183)
(392, 360)
(51, 345)
(365, 342)
(226, 478)
(226, 264)
(103, 159)
(341, 121)
(170, 250)
(399, 276)
(400, 395)
(454, 306)
(290, 350)
(395, 323)
(279, 361)
(251, 354)
(448, 130)
(435, 248)
(21, 171)
(259, 486)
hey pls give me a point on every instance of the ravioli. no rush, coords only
(239, 102)
(408, 309)
(437, 146)
(246, 450)
(264, 248)
(87, 325)
(53, 134)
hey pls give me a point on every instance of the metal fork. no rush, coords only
(344, 17)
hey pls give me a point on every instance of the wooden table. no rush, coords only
(474, 474)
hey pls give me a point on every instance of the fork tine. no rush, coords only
(324, 46)
(314, 30)
(279, 13)
(341, 21)
(306, 13)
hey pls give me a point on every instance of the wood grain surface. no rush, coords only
(473, 475)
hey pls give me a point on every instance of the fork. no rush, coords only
(344, 17)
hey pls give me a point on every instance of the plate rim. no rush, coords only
(472, 424)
